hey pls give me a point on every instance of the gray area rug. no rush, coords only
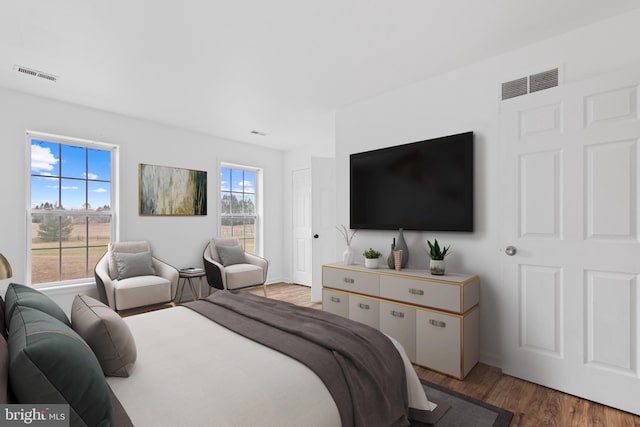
(464, 411)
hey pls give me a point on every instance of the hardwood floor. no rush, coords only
(531, 404)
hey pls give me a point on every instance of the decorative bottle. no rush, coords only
(401, 244)
(390, 261)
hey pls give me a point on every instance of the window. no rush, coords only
(72, 220)
(238, 205)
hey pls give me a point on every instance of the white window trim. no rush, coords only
(115, 196)
(259, 201)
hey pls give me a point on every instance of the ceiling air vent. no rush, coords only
(514, 88)
(543, 80)
(35, 73)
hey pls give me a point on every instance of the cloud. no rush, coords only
(69, 187)
(99, 190)
(90, 175)
(42, 159)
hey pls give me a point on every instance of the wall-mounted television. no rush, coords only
(425, 185)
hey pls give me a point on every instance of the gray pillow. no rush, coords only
(230, 255)
(132, 265)
(106, 333)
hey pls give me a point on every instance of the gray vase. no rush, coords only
(401, 244)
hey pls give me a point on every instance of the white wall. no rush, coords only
(177, 240)
(467, 100)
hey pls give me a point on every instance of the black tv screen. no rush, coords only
(426, 185)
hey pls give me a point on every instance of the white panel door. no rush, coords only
(570, 193)
(301, 219)
(323, 200)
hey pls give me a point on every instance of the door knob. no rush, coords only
(510, 250)
(315, 236)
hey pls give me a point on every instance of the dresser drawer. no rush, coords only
(335, 302)
(364, 310)
(350, 280)
(442, 296)
(399, 321)
(438, 342)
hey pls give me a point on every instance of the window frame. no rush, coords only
(113, 213)
(258, 173)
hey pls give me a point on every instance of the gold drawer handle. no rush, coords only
(437, 323)
(364, 306)
(416, 291)
(335, 299)
(397, 314)
(349, 280)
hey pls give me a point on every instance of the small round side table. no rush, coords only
(186, 275)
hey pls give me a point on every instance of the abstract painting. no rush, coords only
(172, 191)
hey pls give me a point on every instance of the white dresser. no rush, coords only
(435, 318)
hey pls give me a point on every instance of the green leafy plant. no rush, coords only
(436, 252)
(371, 254)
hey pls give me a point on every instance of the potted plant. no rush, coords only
(437, 257)
(371, 257)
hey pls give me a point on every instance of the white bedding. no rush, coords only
(192, 372)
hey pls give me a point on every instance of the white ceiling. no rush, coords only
(277, 66)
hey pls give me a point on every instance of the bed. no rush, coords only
(191, 371)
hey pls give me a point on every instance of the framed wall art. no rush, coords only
(171, 191)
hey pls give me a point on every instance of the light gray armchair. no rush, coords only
(127, 276)
(229, 267)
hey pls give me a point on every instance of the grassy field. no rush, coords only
(75, 258)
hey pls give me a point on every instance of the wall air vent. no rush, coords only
(35, 73)
(517, 87)
(533, 83)
(543, 80)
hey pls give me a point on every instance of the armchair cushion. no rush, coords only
(106, 333)
(132, 265)
(243, 275)
(230, 255)
(139, 291)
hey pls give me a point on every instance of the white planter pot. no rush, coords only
(371, 262)
(437, 267)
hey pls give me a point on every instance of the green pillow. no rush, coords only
(50, 363)
(230, 255)
(21, 295)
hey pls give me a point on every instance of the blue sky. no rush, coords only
(76, 173)
(241, 182)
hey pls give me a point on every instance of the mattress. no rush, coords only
(193, 372)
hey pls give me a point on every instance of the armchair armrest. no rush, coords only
(260, 262)
(169, 272)
(104, 284)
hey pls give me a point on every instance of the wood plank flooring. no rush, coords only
(531, 404)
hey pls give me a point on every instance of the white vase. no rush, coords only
(437, 267)
(371, 262)
(347, 256)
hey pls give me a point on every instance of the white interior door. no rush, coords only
(570, 192)
(323, 190)
(301, 197)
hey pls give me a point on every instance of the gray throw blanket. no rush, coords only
(359, 365)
